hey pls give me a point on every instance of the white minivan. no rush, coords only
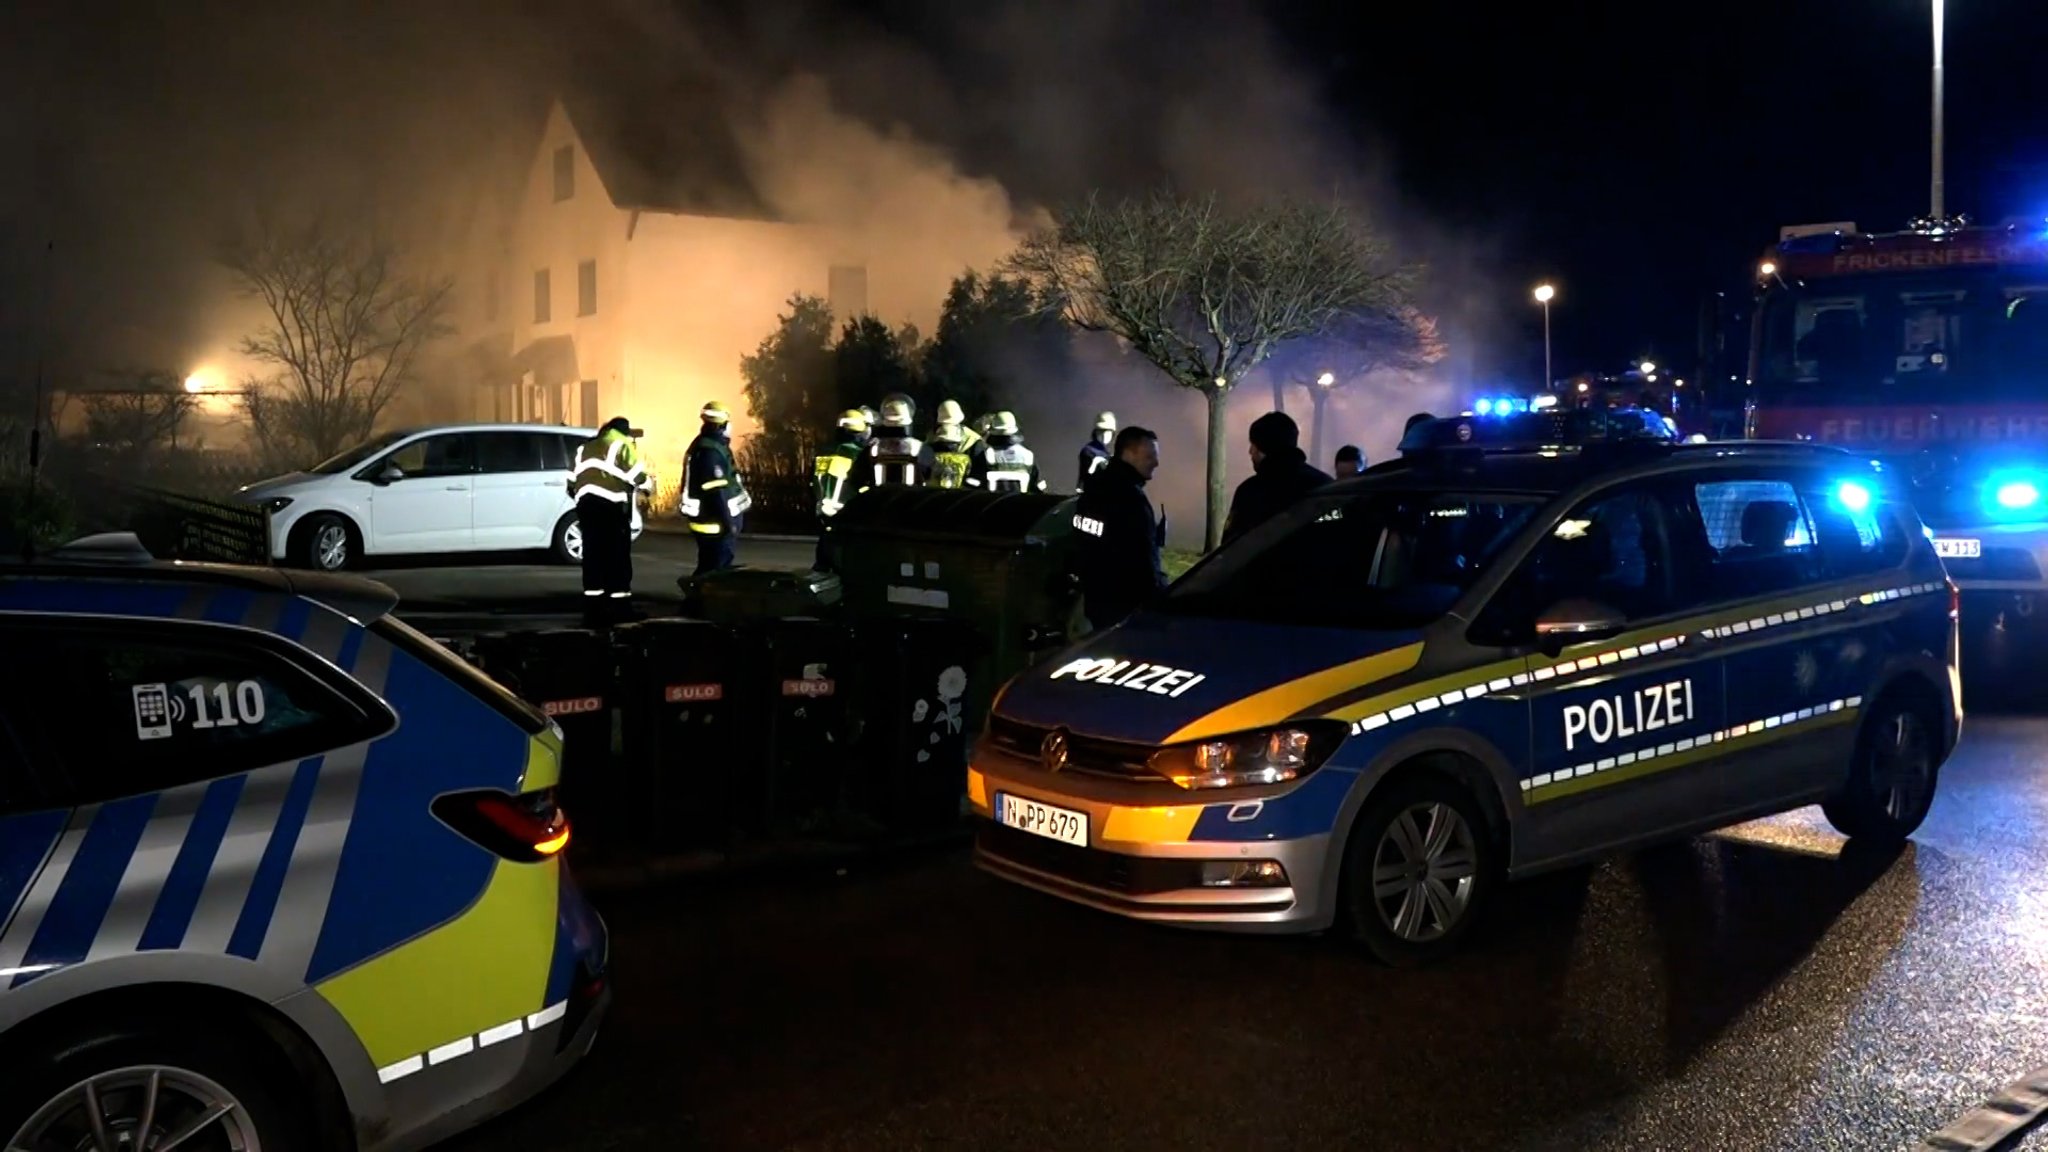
(453, 488)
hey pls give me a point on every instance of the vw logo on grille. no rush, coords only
(1053, 752)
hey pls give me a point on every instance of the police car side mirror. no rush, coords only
(1575, 620)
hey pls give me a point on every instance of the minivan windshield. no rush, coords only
(357, 456)
(1377, 560)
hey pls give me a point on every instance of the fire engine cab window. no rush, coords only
(1903, 338)
(137, 708)
(1379, 561)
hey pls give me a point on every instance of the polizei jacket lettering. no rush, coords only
(1627, 714)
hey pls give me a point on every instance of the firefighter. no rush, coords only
(1004, 464)
(951, 415)
(1119, 541)
(948, 456)
(1095, 455)
(830, 475)
(891, 457)
(609, 474)
(714, 498)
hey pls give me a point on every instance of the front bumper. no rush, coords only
(2012, 558)
(1141, 863)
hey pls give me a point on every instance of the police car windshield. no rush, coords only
(1376, 560)
(344, 461)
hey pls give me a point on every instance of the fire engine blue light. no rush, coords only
(1484, 407)
(1853, 496)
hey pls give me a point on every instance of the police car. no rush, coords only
(276, 870)
(1478, 663)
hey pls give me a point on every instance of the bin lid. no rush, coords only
(956, 514)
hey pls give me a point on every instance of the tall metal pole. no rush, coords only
(1548, 379)
(1940, 217)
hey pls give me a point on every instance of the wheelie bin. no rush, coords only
(691, 719)
(1002, 563)
(915, 731)
(570, 674)
(804, 668)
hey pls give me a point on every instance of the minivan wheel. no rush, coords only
(329, 544)
(154, 1088)
(1418, 869)
(1893, 777)
(568, 545)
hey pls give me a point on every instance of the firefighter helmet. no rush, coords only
(1105, 422)
(715, 413)
(950, 413)
(1002, 424)
(896, 412)
(854, 420)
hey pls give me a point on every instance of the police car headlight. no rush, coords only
(276, 503)
(1270, 756)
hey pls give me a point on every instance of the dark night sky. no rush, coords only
(1643, 153)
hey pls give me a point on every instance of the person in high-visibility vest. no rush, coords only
(891, 457)
(947, 459)
(832, 478)
(714, 499)
(609, 474)
(1004, 464)
(952, 416)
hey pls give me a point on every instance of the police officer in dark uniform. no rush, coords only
(714, 499)
(1119, 539)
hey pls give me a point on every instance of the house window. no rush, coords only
(846, 291)
(565, 172)
(542, 310)
(586, 288)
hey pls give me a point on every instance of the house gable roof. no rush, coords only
(669, 151)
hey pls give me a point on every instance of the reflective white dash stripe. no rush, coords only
(1646, 648)
(456, 1049)
(1674, 747)
(1089, 524)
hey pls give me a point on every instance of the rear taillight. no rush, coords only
(525, 828)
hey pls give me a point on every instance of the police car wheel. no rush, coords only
(1892, 781)
(568, 546)
(157, 1089)
(1418, 866)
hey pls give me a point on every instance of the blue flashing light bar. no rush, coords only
(2017, 494)
(1499, 405)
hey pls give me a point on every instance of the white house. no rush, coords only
(630, 275)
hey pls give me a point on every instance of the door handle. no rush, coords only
(457, 488)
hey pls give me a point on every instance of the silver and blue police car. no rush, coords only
(1497, 655)
(276, 870)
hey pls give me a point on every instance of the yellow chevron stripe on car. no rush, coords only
(1151, 825)
(1291, 699)
(486, 966)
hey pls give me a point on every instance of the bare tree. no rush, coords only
(1207, 292)
(345, 331)
(139, 417)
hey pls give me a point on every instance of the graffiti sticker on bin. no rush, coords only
(807, 688)
(693, 693)
(573, 707)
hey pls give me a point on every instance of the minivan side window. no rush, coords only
(1761, 535)
(449, 454)
(126, 708)
(557, 452)
(1860, 532)
(508, 452)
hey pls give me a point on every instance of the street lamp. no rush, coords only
(1648, 367)
(1935, 184)
(1544, 295)
(1322, 392)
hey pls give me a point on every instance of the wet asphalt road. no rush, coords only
(1756, 989)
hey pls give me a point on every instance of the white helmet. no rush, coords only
(896, 412)
(1105, 422)
(1003, 424)
(950, 413)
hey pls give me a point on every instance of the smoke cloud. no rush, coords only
(935, 132)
